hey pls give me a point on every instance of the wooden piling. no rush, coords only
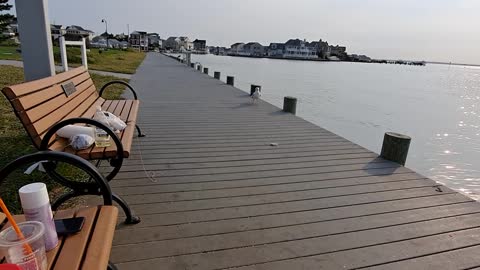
(205, 70)
(253, 87)
(395, 147)
(192, 65)
(230, 80)
(199, 67)
(290, 105)
(216, 75)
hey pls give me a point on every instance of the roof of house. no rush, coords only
(171, 38)
(55, 26)
(252, 43)
(199, 41)
(279, 45)
(293, 42)
(139, 33)
(76, 27)
(237, 44)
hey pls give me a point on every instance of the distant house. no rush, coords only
(253, 49)
(276, 49)
(76, 33)
(55, 32)
(200, 45)
(296, 48)
(172, 43)
(338, 51)
(153, 40)
(139, 40)
(185, 44)
(236, 48)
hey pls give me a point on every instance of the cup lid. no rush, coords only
(32, 230)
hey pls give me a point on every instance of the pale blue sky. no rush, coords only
(442, 30)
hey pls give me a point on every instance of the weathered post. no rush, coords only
(230, 80)
(205, 70)
(290, 105)
(192, 65)
(253, 87)
(63, 52)
(36, 41)
(83, 49)
(395, 147)
(216, 75)
(199, 67)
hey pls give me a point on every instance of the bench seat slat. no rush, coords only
(34, 114)
(37, 98)
(18, 90)
(98, 252)
(71, 255)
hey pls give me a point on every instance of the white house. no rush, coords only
(237, 48)
(185, 44)
(296, 48)
(276, 49)
(139, 40)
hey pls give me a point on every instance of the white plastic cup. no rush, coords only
(14, 249)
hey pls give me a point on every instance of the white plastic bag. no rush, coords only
(101, 117)
(109, 119)
(72, 130)
(81, 141)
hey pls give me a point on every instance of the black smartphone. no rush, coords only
(69, 225)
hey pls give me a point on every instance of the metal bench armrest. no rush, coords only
(119, 82)
(73, 160)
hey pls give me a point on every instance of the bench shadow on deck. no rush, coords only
(217, 195)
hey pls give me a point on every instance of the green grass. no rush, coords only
(14, 141)
(112, 60)
(9, 53)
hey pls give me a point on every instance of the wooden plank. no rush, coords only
(307, 216)
(297, 232)
(251, 210)
(71, 256)
(28, 87)
(262, 193)
(98, 252)
(290, 249)
(431, 252)
(39, 98)
(52, 254)
(74, 108)
(34, 114)
(3, 218)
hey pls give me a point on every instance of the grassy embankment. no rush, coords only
(112, 60)
(14, 141)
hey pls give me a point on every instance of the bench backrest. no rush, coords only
(42, 103)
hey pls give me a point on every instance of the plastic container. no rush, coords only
(102, 139)
(14, 249)
(36, 207)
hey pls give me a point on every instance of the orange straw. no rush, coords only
(15, 226)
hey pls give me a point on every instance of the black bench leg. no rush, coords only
(111, 266)
(140, 134)
(131, 218)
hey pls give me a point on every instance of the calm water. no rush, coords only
(437, 105)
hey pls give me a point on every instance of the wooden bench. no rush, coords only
(90, 248)
(46, 105)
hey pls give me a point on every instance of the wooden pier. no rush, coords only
(215, 191)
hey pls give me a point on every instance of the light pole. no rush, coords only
(106, 29)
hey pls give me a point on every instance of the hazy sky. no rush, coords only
(442, 30)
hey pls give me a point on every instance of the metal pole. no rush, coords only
(35, 37)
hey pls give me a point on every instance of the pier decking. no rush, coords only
(217, 195)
